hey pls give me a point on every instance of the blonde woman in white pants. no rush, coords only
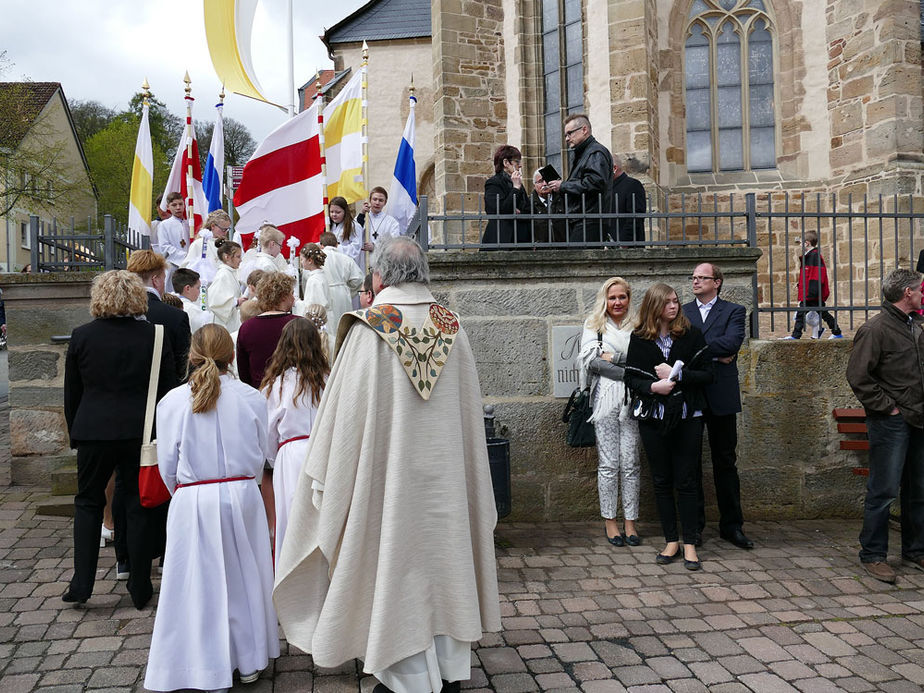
(604, 345)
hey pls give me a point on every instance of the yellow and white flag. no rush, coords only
(139, 206)
(227, 32)
(343, 142)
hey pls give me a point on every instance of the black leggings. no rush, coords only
(673, 459)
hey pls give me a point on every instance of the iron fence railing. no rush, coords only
(860, 241)
(56, 247)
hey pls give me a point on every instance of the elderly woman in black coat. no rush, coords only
(106, 374)
(504, 194)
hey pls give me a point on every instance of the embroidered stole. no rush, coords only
(423, 350)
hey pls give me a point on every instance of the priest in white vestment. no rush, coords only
(389, 552)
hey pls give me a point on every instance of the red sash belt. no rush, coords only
(214, 481)
(292, 440)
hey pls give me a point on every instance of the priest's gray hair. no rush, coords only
(400, 260)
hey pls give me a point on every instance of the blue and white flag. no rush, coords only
(402, 197)
(215, 164)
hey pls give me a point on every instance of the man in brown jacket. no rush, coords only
(886, 372)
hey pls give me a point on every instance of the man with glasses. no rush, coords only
(589, 188)
(722, 324)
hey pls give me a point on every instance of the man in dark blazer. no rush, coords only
(722, 324)
(152, 268)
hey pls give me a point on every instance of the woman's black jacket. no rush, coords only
(697, 372)
(500, 197)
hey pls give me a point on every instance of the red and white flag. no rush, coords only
(282, 183)
(177, 181)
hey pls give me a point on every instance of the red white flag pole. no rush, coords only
(190, 176)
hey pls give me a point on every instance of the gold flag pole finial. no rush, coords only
(365, 52)
(221, 95)
(188, 82)
(411, 90)
(145, 92)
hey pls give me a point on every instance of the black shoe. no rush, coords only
(692, 565)
(71, 598)
(633, 540)
(451, 687)
(661, 559)
(617, 540)
(736, 537)
(381, 688)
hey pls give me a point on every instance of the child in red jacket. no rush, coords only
(812, 284)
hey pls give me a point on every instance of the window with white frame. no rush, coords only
(562, 71)
(728, 86)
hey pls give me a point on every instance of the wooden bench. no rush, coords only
(853, 421)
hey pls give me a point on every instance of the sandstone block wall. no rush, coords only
(790, 461)
(38, 308)
(791, 464)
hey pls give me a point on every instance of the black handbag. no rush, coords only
(580, 431)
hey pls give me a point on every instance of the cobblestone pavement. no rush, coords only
(579, 615)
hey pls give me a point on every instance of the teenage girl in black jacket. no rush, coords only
(668, 402)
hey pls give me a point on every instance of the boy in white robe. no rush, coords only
(188, 286)
(173, 234)
(381, 224)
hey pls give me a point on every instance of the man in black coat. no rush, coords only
(630, 199)
(722, 324)
(152, 269)
(589, 188)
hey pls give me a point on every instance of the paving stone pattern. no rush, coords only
(579, 615)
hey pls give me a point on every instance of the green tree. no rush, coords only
(166, 128)
(111, 154)
(90, 117)
(239, 144)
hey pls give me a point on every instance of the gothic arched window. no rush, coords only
(562, 71)
(728, 84)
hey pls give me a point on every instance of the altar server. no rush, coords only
(224, 293)
(293, 383)
(215, 612)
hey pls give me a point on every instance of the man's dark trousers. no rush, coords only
(724, 332)
(896, 461)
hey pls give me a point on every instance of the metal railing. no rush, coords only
(860, 242)
(59, 248)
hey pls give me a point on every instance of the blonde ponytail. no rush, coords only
(205, 386)
(210, 352)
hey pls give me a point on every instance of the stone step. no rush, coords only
(37, 470)
(56, 506)
(64, 481)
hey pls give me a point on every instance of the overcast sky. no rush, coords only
(102, 51)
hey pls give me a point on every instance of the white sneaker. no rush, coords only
(836, 336)
(783, 339)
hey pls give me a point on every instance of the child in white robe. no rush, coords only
(224, 293)
(349, 234)
(293, 384)
(315, 287)
(215, 612)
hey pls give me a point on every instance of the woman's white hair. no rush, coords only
(400, 260)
